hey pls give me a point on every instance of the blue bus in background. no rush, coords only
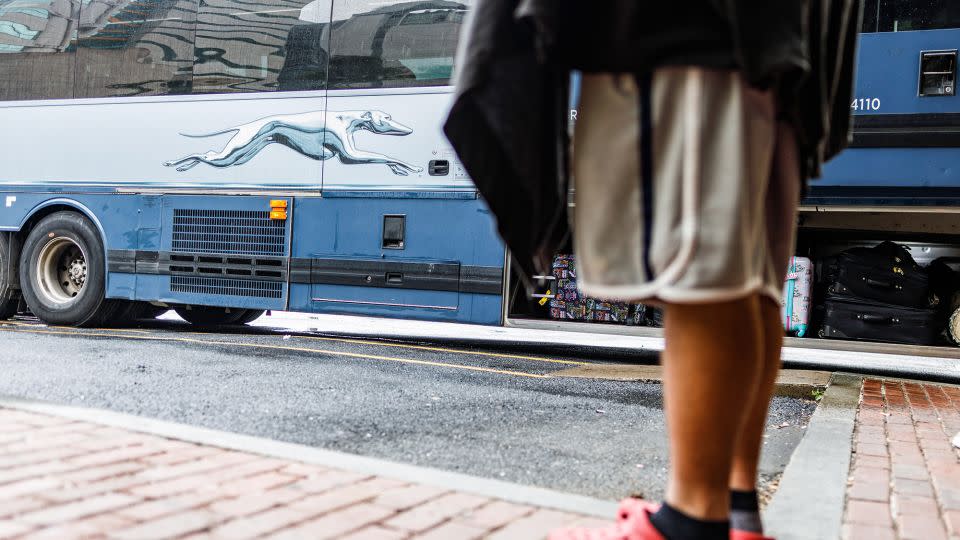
(900, 179)
(905, 150)
(226, 157)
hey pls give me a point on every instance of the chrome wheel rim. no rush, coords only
(61, 270)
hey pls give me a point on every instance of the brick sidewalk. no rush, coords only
(905, 476)
(61, 478)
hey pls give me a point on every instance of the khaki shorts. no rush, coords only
(686, 187)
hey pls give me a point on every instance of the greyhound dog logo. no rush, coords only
(314, 134)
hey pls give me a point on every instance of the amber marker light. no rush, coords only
(278, 209)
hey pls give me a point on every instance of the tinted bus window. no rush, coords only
(37, 40)
(136, 48)
(378, 44)
(907, 15)
(260, 46)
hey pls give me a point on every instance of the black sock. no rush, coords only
(745, 511)
(675, 525)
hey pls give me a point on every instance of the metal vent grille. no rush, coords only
(248, 232)
(231, 266)
(229, 287)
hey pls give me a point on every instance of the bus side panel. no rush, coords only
(219, 251)
(133, 228)
(893, 167)
(127, 223)
(449, 267)
(888, 72)
(405, 157)
(149, 239)
(164, 141)
(153, 255)
(904, 149)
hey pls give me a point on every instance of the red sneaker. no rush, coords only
(746, 535)
(633, 523)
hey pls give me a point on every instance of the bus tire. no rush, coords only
(131, 312)
(209, 315)
(148, 311)
(8, 296)
(123, 315)
(63, 272)
(250, 316)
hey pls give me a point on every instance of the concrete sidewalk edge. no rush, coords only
(810, 500)
(506, 491)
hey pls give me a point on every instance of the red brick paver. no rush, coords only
(905, 475)
(61, 478)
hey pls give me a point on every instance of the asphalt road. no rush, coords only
(489, 413)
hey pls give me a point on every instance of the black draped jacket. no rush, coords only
(508, 123)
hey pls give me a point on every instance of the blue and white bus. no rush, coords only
(226, 157)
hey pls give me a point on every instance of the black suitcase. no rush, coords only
(944, 281)
(885, 273)
(855, 318)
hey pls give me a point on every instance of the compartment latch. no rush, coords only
(438, 167)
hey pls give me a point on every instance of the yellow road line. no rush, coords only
(117, 330)
(383, 344)
(296, 349)
(72, 328)
(445, 350)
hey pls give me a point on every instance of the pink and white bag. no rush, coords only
(796, 296)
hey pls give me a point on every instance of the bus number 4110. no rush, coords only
(866, 104)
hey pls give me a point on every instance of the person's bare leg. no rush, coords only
(746, 459)
(711, 366)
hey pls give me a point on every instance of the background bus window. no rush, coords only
(378, 44)
(907, 15)
(37, 40)
(260, 46)
(136, 48)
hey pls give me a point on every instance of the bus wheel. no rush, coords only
(210, 316)
(8, 297)
(63, 272)
(250, 316)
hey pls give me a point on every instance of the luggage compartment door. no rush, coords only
(417, 255)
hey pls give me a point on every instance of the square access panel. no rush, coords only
(938, 73)
(394, 232)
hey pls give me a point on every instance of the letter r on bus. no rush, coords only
(10, 200)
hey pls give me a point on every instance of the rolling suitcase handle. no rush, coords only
(547, 296)
(877, 319)
(878, 284)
